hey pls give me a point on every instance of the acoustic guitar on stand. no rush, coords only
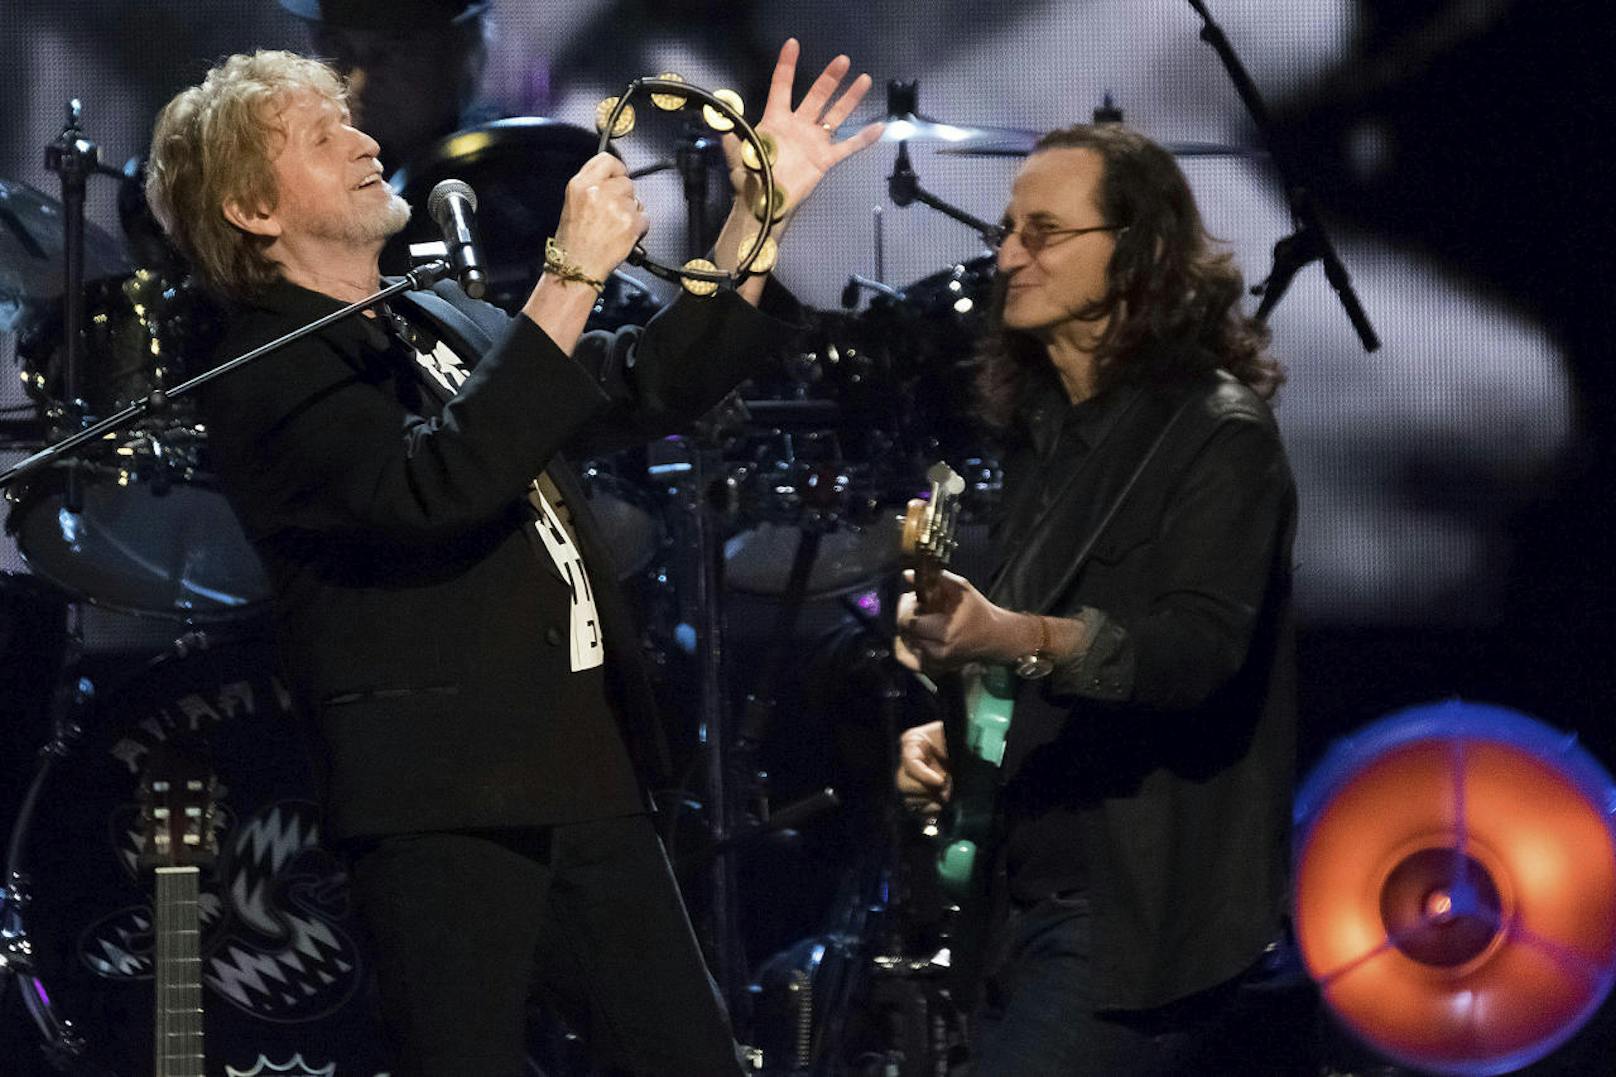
(177, 810)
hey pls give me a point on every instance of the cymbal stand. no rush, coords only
(903, 186)
(712, 729)
(73, 158)
(712, 734)
(71, 696)
(905, 1001)
(691, 158)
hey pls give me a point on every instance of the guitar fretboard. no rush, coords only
(178, 1030)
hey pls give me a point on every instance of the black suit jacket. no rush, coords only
(418, 619)
(1170, 747)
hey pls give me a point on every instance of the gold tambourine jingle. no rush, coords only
(771, 151)
(716, 119)
(766, 212)
(696, 286)
(669, 102)
(625, 118)
(767, 254)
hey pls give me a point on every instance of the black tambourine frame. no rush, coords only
(765, 171)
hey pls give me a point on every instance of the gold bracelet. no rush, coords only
(557, 264)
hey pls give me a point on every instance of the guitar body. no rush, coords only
(978, 705)
(980, 719)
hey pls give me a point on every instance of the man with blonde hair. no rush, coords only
(443, 601)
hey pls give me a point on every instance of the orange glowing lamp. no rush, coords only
(1456, 886)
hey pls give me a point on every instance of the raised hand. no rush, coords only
(806, 134)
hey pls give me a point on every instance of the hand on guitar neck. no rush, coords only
(946, 622)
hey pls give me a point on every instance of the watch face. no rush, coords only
(1031, 667)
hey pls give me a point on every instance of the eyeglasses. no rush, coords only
(1035, 240)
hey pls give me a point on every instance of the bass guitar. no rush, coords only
(977, 706)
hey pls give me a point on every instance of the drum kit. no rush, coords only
(800, 477)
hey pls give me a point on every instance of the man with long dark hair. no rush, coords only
(1142, 598)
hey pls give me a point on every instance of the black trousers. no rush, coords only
(467, 927)
(1039, 1015)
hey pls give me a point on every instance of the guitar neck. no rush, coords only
(177, 926)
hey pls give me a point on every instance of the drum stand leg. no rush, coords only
(923, 1031)
(63, 1046)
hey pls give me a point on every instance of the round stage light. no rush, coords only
(1456, 886)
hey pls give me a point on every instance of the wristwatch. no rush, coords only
(1038, 663)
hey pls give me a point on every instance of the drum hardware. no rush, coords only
(158, 400)
(74, 158)
(903, 186)
(1023, 143)
(857, 281)
(758, 711)
(32, 250)
(905, 123)
(101, 551)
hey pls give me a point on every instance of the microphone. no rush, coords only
(453, 205)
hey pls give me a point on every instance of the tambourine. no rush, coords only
(721, 109)
(1456, 886)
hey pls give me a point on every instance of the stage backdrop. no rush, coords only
(1409, 460)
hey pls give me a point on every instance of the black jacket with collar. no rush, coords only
(1168, 751)
(418, 619)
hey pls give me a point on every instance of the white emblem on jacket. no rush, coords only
(583, 633)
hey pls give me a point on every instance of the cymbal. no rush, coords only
(1025, 142)
(32, 236)
(912, 127)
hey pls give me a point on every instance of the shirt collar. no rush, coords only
(1055, 419)
(295, 304)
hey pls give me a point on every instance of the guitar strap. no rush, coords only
(1076, 564)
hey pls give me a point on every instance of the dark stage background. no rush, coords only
(1454, 484)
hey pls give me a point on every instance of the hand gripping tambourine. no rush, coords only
(614, 118)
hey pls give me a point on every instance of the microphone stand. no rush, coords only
(157, 400)
(1310, 242)
(691, 160)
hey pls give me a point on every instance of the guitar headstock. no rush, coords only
(177, 801)
(929, 525)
